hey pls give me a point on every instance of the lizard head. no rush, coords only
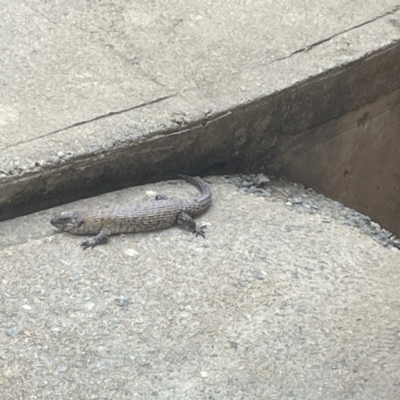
(66, 221)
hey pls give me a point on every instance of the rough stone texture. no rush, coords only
(93, 99)
(273, 304)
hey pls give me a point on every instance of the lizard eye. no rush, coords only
(75, 219)
(78, 222)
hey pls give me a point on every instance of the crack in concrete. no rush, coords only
(197, 125)
(104, 43)
(102, 116)
(306, 49)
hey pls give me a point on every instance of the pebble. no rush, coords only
(61, 368)
(40, 163)
(12, 331)
(54, 159)
(122, 301)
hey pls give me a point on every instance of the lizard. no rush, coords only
(160, 213)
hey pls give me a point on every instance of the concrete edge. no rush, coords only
(245, 137)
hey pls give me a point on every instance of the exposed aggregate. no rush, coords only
(306, 200)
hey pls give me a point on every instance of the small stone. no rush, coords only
(40, 163)
(12, 331)
(246, 184)
(132, 253)
(54, 159)
(259, 276)
(261, 179)
(255, 189)
(295, 200)
(234, 345)
(44, 359)
(245, 177)
(27, 307)
(61, 368)
(122, 301)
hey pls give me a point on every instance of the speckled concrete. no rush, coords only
(273, 304)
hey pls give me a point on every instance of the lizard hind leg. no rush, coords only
(187, 222)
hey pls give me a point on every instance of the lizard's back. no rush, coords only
(142, 217)
(133, 218)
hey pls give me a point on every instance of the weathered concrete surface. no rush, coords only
(273, 304)
(99, 96)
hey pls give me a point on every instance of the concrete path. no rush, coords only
(272, 304)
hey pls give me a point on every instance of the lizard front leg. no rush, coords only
(186, 221)
(104, 232)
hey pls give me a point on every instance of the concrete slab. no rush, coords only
(273, 304)
(100, 96)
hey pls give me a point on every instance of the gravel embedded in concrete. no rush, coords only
(273, 304)
(300, 200)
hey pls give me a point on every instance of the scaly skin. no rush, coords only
(137, 217)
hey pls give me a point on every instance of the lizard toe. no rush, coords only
(200, 231)
(88, 243)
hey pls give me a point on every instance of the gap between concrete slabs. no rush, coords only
(240, 124)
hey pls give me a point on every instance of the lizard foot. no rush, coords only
(199, 231)
(104, 233)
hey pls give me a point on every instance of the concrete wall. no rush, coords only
(355, 156)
